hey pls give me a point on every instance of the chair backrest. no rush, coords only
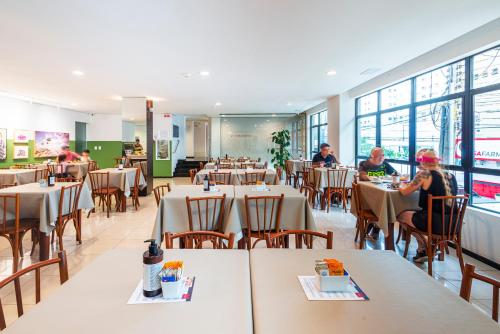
(3, 186)
(92, 166)
(192, 174)
(288, 167)
(195, 239)
(336, 178)
(301, 237)
(205, 213)
(16, 278)
(263, 214)
(307, 164)
(223, 178)
(137, 180)
(254, 177)
(144, 167)
(451, 213)
(9, 208)
(41, 174)
(99, 180)
(356, 198)
(68, 203)
(279, 172)
(225, 166)
(466, 287)
(159, 192)
(308, 176)
(245, 165)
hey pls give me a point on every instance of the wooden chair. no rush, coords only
(289, 175)
(363, 216)
(245, 165)
(3, 186)
(253, 178)
(144, 168)
(208, 213)
(195, 239)
(99, 182)
(308, 186)
(92, 166)
(13, 228)
(299, 177)
(134, 191)
(16, 278)
(225, 166)
(336, 188)
(466, 287)
(222, 178)
(451, 227)
(159, 192)
(265, 222)
(41, 174)
(192, 174)
(306, 237)
(68, 211)
(279, 175)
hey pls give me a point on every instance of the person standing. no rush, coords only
(70, 155)
(325, 156)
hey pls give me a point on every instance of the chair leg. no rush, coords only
(407, 243)
(460, 255)
(328, 200)
(357, 231)
(60, 239)
(362, 236)
(430, 256)
(34, 238)
(108, 206)
(400, 232)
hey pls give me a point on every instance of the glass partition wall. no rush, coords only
(454, 109)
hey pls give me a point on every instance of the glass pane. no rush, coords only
(395, 134)
(441, 82)
(367, 132)
(487, 130)
(314, 140)
(323, 134)
(439, 127)
(459, 176)
(396, 95)
(486, 68)
(367, 104)
(314, 119)
(401, 168)
(322, 117)
(486, 191)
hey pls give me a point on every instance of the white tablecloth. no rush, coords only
(123, 179)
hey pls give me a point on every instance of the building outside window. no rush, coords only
(318, 131)
(454, 109)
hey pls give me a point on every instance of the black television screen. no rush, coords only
(176, 131)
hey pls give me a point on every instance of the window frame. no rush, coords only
(467, 127)
(317, 127)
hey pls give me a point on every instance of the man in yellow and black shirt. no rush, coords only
(375, 165)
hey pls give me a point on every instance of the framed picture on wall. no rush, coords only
(162, 149)
(22, 136)
(21, 152)
(48, 144)
(3, 144)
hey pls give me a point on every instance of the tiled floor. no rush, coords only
(130, 229)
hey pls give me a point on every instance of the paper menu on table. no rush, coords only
(312, 292)
(138, 297)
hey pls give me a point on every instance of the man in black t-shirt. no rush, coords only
(375, 165)
(325, 155)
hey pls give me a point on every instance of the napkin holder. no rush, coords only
(120, 167)
(172, 290)
(334, 283)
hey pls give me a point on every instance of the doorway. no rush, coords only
(80, 136)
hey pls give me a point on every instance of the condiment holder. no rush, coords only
(331, 276)
(171, 279)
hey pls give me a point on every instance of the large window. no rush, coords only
(318, 131)
(454, 109)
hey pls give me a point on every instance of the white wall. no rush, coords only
(128, 131)
(189, 142)
(105, 127)
(178, 144)
(141, 132)
(200, 136)
(24, 115)
(341, 127)
(215, 137)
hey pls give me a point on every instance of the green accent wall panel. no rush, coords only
(162, 168)
(105, 157)
(31, 149)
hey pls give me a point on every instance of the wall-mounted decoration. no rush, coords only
(3, 144)
(162, 149)
(22, 136)
(48, 144)
(21, 152)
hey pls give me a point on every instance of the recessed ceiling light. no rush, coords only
(78, 73)
(74, 104)
(205, 73)
(132, 119)
(218, 104)
(331, 72)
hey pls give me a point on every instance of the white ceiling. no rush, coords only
(262, 54)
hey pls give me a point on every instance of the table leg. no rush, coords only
(389, 239)
(44, 244)
(124, 202)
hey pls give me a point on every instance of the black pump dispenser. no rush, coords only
(152, 264)
(153, 247)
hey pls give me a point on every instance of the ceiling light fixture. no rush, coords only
(205, 73)
(78, 73)
(218, 104)
(331, 72)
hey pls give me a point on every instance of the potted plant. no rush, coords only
(281, 140)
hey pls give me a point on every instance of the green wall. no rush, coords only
(162, 168)
(31, 148)
(106, 156)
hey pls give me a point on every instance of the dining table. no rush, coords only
(321, 177)
(10, 177)
(238, 164)
(401, 297)
(76, 169)
(42, 203)
(296, 165)
(386, 203)
(122, 179)
(238, 175)
(95, 299)
(172, 214)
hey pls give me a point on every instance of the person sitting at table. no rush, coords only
(62, 165)
(375, 165)
(430, 180)
(325, 156)
(85, 157)
(70, 155)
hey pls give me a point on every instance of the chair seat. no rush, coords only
(109, 190)
(25, 224)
